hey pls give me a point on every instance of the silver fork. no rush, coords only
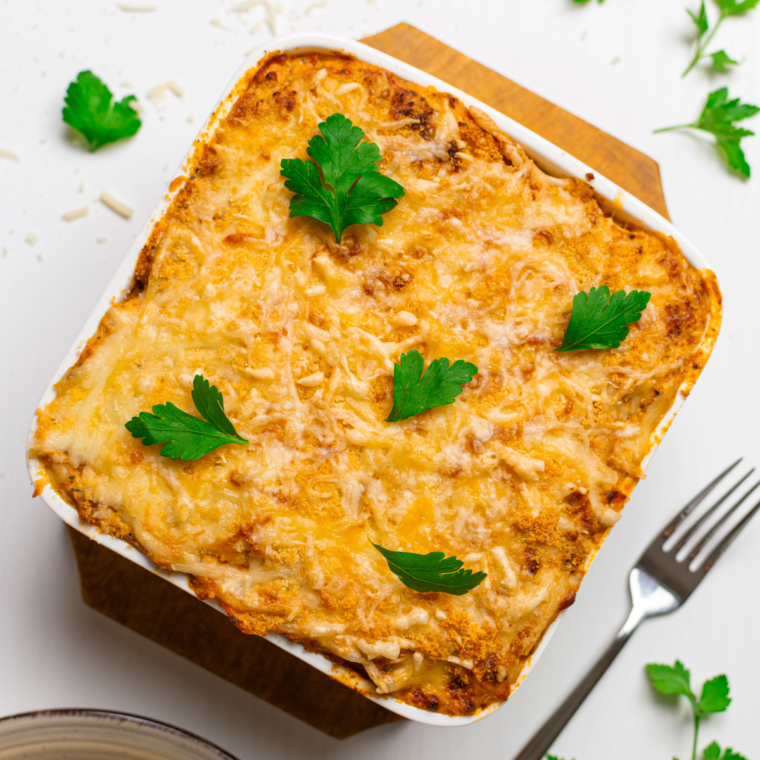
(660, 583)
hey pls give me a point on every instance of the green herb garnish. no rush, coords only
(704, 34)
(441, 384)
(351, 190)
(601, 321)
(187, 437)
(431, 572)
(721, 61)
(676, 679)
(91, 110)
(718, 118)
(713, 752)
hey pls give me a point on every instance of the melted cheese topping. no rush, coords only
(521, 477)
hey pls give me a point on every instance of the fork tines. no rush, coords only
(676, 573)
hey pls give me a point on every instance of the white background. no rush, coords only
(617, 65)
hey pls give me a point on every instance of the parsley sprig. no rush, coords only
(433, 572)
(187, 437)
(599, 320)
(92, 111)
(727, 8)
(676, 679)
(414, 393)
(714, 698)
(351, 190)
(718, 118)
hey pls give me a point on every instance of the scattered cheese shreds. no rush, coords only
(273, 11)
(77, 213)
(157, 93)
(32, 238)
(218, 24)
(12, 155)
(136, 7)
(116, 205)
(102, 240)
(6, 251)
(316, 6)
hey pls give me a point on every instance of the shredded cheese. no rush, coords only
(136, 7)
(121, 208)
(78, 213)
(521, 477)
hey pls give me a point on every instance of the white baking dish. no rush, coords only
(551, 158)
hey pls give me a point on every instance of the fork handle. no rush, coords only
(537, 747)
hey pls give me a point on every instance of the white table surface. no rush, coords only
(616, 65)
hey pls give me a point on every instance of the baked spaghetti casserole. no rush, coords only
(521, 478)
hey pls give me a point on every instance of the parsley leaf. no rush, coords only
(714, 696)
(600, 321)
(712, 752)
(431, 572)
(735, 7)
(90, 110)
(441, 384)
(718, 118)
(351, 189)
(721, 61)
(187, 437)
(676, 679)
(669, 679)
(727, 8)
(700, 19)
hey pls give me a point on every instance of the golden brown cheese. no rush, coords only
(521, 477)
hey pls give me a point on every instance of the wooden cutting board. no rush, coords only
(154, 608)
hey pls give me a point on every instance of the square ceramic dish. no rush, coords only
(549, 157)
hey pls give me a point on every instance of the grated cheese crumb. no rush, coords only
(12, 155)
(158, 93)
(136, 8)
(273, 11)
(32, 238)
(78, 213)
(312, 381)
(403, 319)
(261, 374)
(116, 205)
(102, 240)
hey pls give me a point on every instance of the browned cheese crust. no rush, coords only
(522, 477)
